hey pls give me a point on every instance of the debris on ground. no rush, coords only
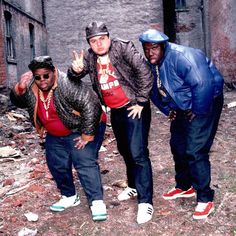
(27, 188)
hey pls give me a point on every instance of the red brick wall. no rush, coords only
(2, 57)
(223, 37)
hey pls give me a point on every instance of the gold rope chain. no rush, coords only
(46, 102)
(161, 91)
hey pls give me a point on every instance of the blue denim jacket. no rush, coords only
(190, 79)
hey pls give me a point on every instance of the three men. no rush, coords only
(187, 87)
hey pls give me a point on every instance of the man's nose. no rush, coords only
(151, 52)
(99, 43)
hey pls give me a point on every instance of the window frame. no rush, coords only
(10, 49)
(32, 40)
(180, 5)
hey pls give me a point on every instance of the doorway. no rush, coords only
(169, 16)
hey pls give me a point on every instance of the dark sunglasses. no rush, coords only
(38, 77)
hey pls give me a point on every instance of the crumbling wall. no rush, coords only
(22, 14)
(223, 37)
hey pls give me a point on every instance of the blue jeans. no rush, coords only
(61, 155)
(132, 143)
(190, 145)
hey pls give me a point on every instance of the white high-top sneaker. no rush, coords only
(65, 202)
(99, 211)
(145, 212)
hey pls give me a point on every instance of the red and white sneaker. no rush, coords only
(178, 193)
(203, 210)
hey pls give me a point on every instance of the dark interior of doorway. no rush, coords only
(169, 19)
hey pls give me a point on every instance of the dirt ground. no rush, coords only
(26, 186)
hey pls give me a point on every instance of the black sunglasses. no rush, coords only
(38, 77)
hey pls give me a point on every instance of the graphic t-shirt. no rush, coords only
(50, 119)
(112, 92)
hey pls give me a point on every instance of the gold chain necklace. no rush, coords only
(160, 90)
(46, 102)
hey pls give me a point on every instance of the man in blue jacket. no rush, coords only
(189, 89)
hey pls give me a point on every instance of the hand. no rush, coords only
(78, 62)
(24, 81)
(189, 115)
(80, 143)
(172, 115)
(135, 110)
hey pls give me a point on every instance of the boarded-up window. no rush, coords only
(32, 41)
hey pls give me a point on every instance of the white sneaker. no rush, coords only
(145, 212)
(99, 211)
(65, 202)
(127, 194)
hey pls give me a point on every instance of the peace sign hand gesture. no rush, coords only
(78, 62)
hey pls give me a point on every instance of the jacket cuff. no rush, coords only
(72, 74)
(19, 91)
(142, 103)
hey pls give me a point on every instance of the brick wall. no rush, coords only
(23, 13)
(189, 25)
(223, 37)
(2, 57)
(208, 25)
(125, 19)
(2, 61)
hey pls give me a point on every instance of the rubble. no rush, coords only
(10, 152)
(27, 232)
(31, 216)
(120, 183)
(231, 104)
(4, 100)
(27, 188)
